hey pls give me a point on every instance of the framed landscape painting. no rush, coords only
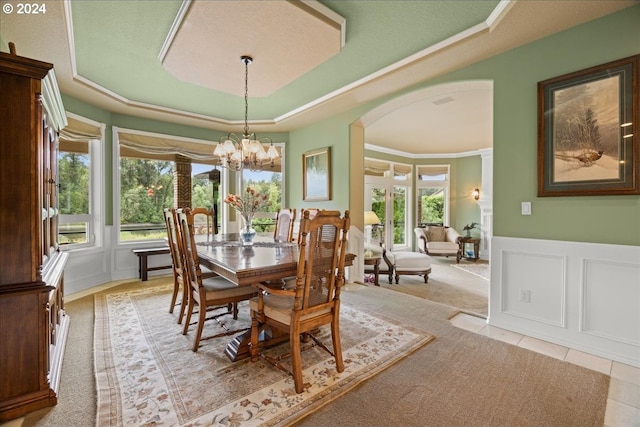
(316, 175)
(588, 131)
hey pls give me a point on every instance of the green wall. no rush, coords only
(599, 219)
(334, 133)
(468, 177)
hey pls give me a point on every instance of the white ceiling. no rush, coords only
(454, 118)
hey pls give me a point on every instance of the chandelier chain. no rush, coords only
(249, 152)
(246, 97)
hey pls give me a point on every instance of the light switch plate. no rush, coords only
(526, 208)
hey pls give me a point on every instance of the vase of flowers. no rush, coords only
(247, 207)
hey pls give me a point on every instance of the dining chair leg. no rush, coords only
(255, 330)
(337, 345)
(296, 359)
(183, 306)
(174, 296)
(202, 315)
(188, 319)
(235, 311)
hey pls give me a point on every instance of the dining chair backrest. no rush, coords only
(189, 250)
(173, 239)
(285, 218)
(312, 213)
(323, 244)
(177, 262)
(205, 221)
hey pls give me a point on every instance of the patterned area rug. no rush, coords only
(481, 270)
(146, 373)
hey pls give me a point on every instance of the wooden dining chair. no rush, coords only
(205, 221)
(177, 262)
(315, 301)
(285, 218)
(208, 293)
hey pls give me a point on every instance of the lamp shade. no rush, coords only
(370, 217)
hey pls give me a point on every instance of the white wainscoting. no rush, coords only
(585, 296)
(355, 245)
(85, 270)
(92, 267)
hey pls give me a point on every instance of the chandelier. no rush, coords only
(235, 152)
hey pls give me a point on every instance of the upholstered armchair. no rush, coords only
(437, 240)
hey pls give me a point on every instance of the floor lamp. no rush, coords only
(370, 218)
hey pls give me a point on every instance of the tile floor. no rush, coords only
(623, 403)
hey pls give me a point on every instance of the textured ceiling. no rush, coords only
(107, 53)
(279, 56)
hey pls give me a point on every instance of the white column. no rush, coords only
(486, 203)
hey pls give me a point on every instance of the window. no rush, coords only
(267, 181)
(80, 195)
(387, 186)
(146, 189)
(432, 194)
(146, 181)
(73, 197)
(145, 184)
(205, 185)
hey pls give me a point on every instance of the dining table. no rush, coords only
(266, 261)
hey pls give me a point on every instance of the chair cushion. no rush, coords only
(412, 261)
(219, 287)
(443, 247)
(436, 234)
(279, 307)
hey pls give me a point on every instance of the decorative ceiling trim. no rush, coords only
(323, 12)
(480, 152)
(488, 24)
(175, 26)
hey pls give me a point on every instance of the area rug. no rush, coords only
(146, 373)
(480, 270)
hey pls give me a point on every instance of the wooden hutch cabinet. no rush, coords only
(33, 324)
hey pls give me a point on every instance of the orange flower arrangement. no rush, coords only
(248, 205)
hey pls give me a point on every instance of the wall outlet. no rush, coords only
(525, 296)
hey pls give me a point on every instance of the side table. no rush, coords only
(375, 261)
(462, 241)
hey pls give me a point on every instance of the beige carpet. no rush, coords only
(146, 372)
(480, 269)
(458, 285)
(459, 379)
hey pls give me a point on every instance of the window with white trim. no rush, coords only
(80, 193)
(432, 188)
(145, 183)
(387, 193)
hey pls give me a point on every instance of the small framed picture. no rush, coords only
(316, 175)
(588, 131)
